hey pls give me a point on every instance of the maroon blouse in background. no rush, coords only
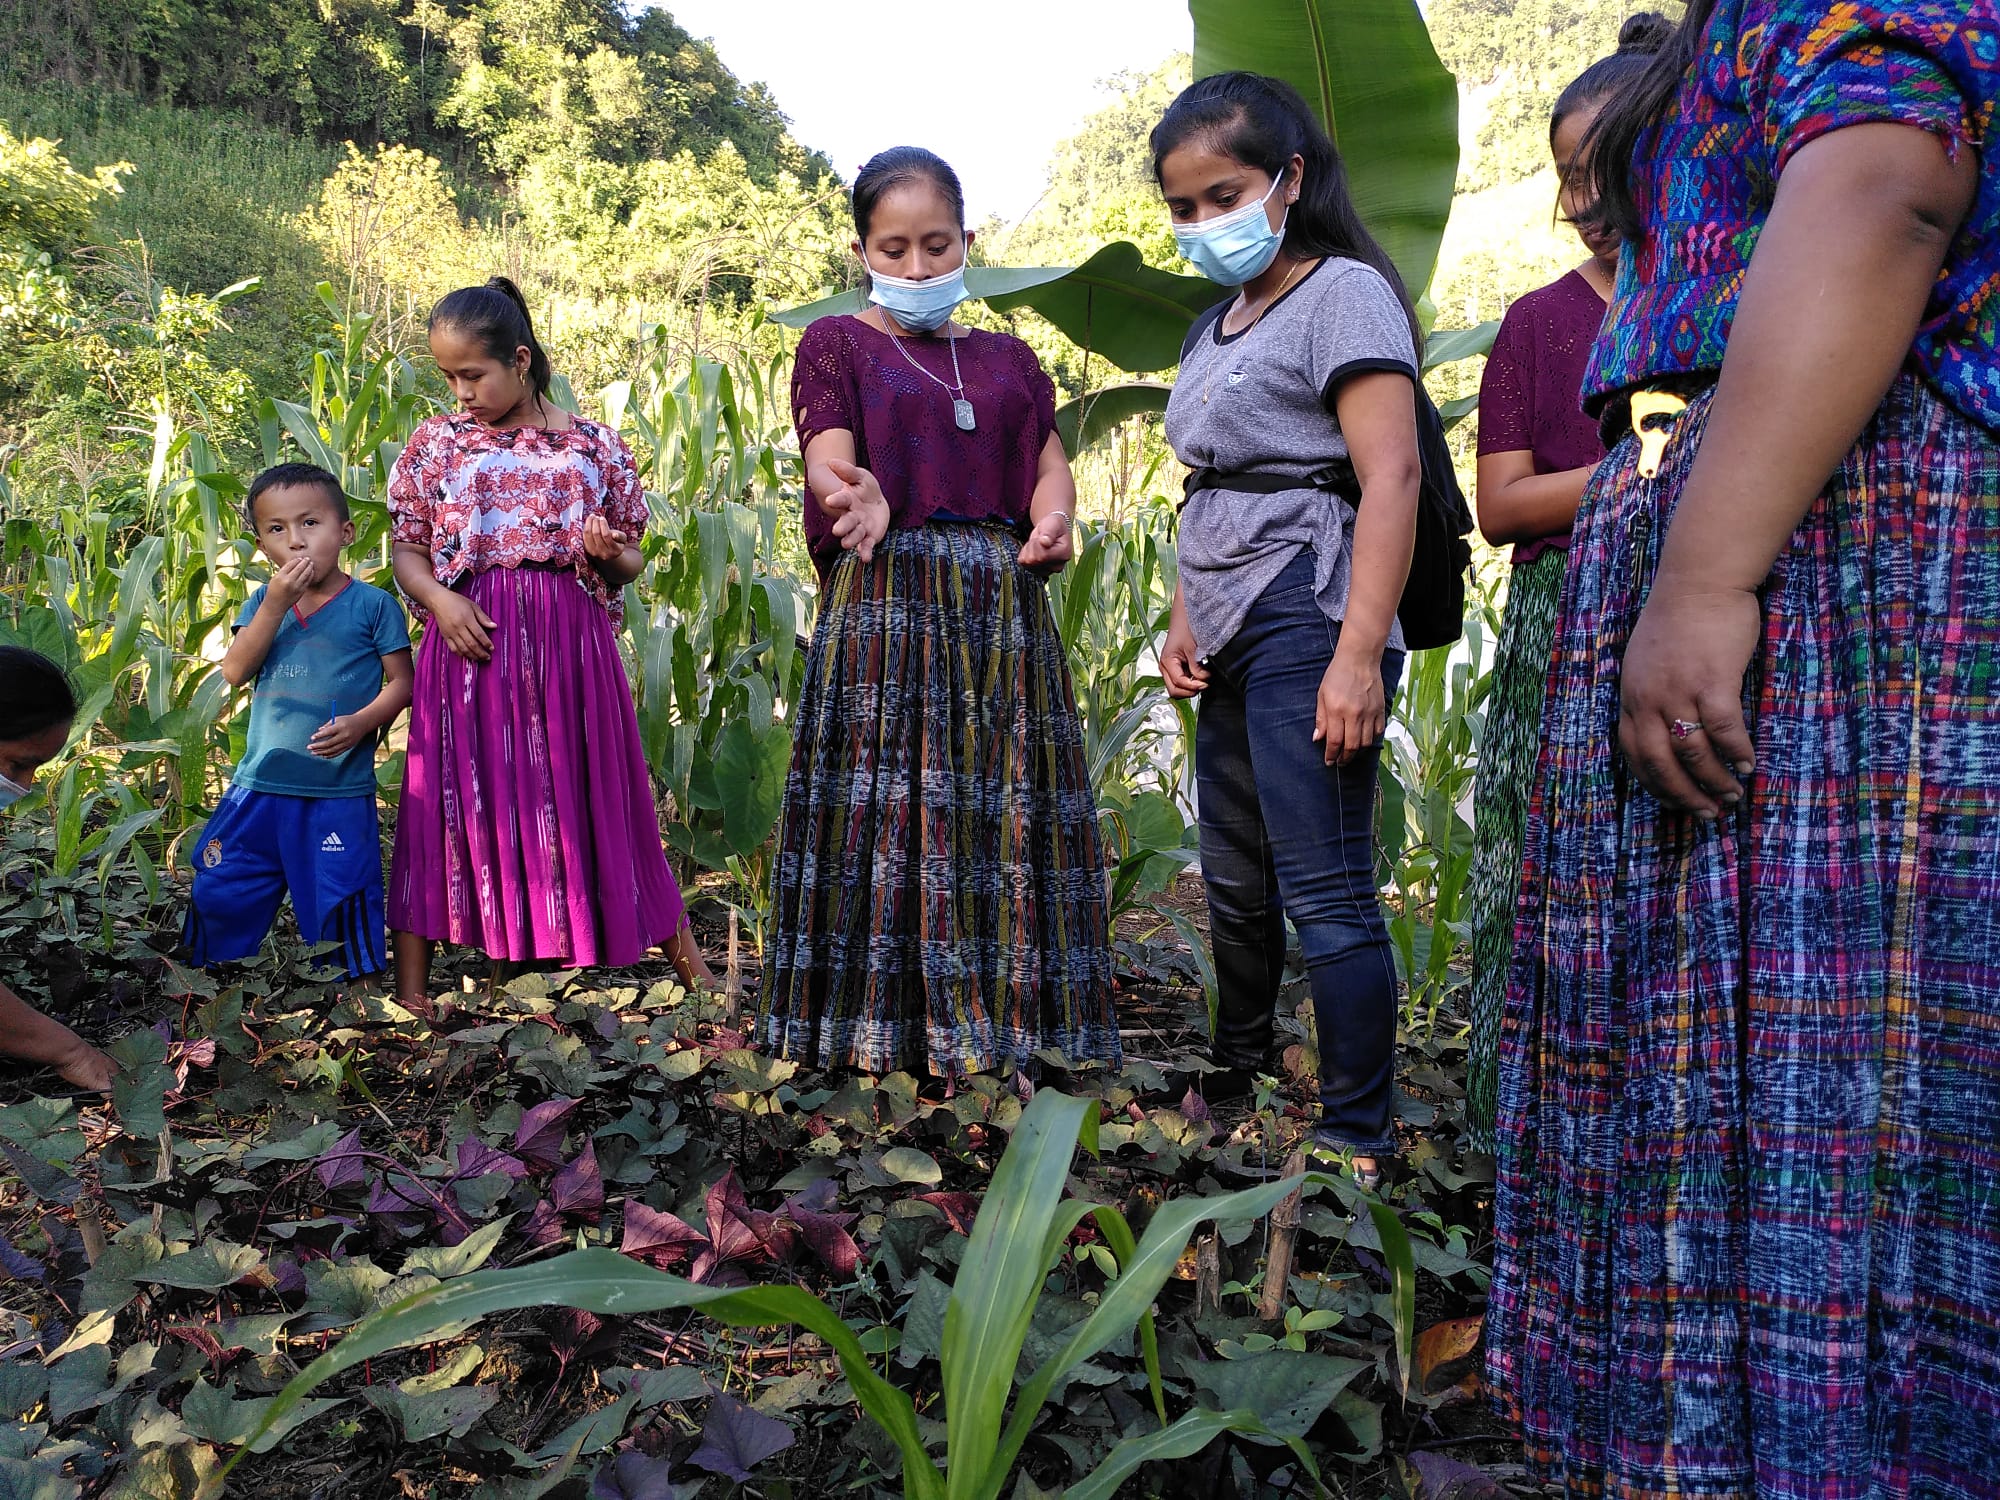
(1530, 397)
(849, 375)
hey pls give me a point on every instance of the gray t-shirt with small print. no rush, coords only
(1260, 401)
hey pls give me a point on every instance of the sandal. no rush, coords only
(1365, 1170)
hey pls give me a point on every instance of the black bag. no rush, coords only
(1432, 609)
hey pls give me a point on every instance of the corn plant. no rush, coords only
(1016, 1241)
(360, 409)
(714, 620)
(1110, 607)
(1429, 761)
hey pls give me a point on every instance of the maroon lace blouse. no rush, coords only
(1531, 396)
(848, 375)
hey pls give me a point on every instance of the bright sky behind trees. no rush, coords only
(989, 88)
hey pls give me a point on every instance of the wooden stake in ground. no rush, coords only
(1284, 1235)
(1208, 1274)
(733, 974)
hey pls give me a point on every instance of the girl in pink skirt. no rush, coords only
(527, 825)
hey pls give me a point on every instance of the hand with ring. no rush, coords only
(1680, 723)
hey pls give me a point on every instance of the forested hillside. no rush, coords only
(498, 84)
(607, 160)
(1512, 58)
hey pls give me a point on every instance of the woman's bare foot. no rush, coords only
(685, 955)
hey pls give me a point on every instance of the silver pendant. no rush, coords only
(961, 413)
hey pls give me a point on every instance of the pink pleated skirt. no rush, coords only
(527, 825)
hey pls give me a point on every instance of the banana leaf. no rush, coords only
(1369, 69)
(1091, 418)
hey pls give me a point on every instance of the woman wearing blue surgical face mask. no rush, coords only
(1285, 619)
(939, 895)
(36, 711)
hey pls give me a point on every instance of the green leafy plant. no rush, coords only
(1018, 1236)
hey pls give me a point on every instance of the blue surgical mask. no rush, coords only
(1231, 248)
(11, 792)
(920, 306)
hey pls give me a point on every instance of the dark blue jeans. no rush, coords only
(1285, 834)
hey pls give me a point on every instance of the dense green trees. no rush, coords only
(496, 83)
(1511, 59)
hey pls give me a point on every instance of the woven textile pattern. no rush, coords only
(527, 825)
(849, 376)
(479, 497)
(1748, 1221)
(1507, 752)
(939, 894)
(1774, 76)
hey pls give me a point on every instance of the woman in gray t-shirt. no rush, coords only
(1285, 619)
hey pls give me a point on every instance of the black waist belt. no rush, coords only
(1336, 478)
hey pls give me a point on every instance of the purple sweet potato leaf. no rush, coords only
(1443, 1478)
(579, 1187)
(634, 1476)
(959, 1209)
(14, 1263)
(342, 1165)
(476, 1159)
(577, 1334)
(570, 1328)
(544, 1225)
(826, 1235)
(730, 1239)
(822, 1197)
(399, 1203)
(661, 1240)
(735, 1439)
(539, 1137)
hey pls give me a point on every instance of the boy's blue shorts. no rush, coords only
(326, 851)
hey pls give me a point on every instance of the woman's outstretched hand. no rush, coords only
(1048, 546)
(861, 514)
(603, 542)
(1680, 723)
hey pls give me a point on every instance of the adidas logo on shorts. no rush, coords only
(331, 844)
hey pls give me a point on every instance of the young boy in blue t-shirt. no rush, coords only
(331, 656)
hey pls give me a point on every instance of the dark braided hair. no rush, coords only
(1263, 123)
(1613, 140)
(496, 314)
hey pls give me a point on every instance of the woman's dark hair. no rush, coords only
(1613, 139)
(1263, 123)
(34, 694)
(1639, 39)
(897, 167)
(497, 315)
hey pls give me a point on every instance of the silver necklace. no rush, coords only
(961, 409)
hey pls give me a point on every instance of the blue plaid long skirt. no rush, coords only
(1748, 1216)
(939, 899)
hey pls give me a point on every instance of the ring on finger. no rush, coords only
(1681, 729)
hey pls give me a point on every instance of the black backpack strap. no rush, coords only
(1337, 478)
(1203, 323)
